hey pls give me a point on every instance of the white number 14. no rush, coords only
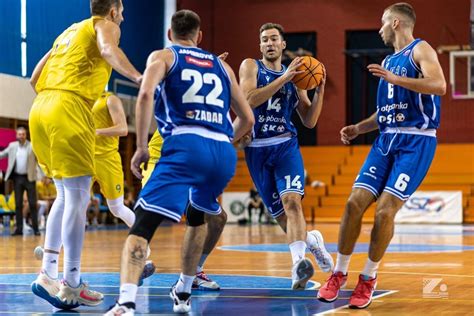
(295, 183)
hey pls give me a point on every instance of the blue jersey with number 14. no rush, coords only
(195, 92)
(273, 117)
(400, 107)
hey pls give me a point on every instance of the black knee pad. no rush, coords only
(194, 217)
(145, 223)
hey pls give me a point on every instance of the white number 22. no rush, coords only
(191, 95)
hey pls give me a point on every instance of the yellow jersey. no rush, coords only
(76, 64)
(102, 119)
(154, 147)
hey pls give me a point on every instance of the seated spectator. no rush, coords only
(255, 203)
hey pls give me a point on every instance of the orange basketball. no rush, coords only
(312, 75)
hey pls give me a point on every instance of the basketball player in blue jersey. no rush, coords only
(194, 92)
(408, 111)
(273, 156)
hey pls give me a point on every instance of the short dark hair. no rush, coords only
(404, 9)
(185, 23)
(269, 26)
(102, 7)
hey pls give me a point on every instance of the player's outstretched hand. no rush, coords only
(141, 156)
(381, 72)
(223, 56)
(348, 133)
(292, 71)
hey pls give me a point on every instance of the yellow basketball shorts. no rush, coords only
(149, 170)
(62, 134)
(109, 175)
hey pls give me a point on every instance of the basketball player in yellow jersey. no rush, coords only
(110, 123)
(68, 80)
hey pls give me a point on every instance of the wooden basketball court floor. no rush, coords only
(428, 270)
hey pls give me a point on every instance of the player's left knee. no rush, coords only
(385, 214)
(194, 217)
(219, 220)
(291, 202)
(116, 210)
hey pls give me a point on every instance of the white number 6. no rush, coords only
(402, 182)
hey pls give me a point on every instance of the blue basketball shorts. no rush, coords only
(396, 164)
(191, 169)
(276, 170)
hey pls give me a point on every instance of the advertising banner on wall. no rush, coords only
(432, 207)
(235, 205)
(6, 137)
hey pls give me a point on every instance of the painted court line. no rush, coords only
(165, 270)
(347, 305)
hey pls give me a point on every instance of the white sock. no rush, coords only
(185, 283)
(201, 263)
(53, 240)
(72, 272)
(50, 264)
(342, 263)
(118, 209)
(77, 197)
(128, 293)
(370, 268)
(297, 249)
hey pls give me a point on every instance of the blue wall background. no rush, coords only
(10, 37)
(142, 30)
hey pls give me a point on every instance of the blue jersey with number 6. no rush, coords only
(400, 107)
(195, 92)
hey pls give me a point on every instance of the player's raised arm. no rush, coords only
(245, 118)
(309, 111)
(38, 69)
(155, 72)
(248, 81)
(120, 127)
(108, 35)
(432, 82)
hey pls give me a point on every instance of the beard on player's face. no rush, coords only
(389, 37)
(272, 53)
(271, 57)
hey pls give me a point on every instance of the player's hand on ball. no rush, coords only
(322, 85)
(292, 71)
(348, 133)
(141, 156)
